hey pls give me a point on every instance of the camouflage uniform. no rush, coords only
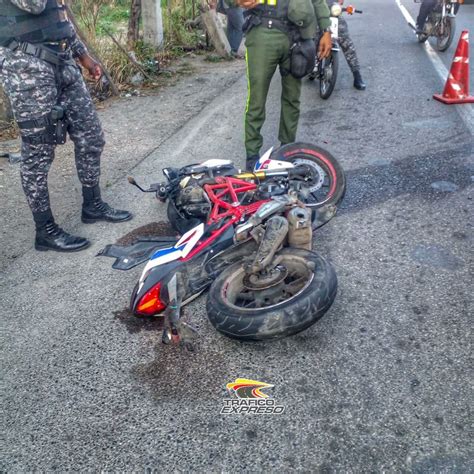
(347, 46)
(34, 86)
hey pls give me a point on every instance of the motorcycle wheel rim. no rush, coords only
(443, 40)
(237, 296)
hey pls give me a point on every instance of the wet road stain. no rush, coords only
(436, 256)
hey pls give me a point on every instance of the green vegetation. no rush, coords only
(100, 18)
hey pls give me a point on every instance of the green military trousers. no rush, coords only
(267, 49)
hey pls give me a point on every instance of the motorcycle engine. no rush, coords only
(192, 201)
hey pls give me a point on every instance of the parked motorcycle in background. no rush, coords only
(441, 23)
(326, 69)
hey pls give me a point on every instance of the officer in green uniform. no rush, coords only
(270, 29)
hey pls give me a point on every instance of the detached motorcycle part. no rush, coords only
(328, 74)
(325, 184)
(292, 305)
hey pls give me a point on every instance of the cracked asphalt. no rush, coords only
(382, 383)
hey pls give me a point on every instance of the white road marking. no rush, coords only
(465, 111)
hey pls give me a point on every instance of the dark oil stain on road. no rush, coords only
(135, 324)
(178, 374)
(154, 229)
(418, 176)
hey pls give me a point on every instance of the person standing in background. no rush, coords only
(235, 22)
(348, 48)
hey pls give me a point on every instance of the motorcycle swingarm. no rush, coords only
(130, 256)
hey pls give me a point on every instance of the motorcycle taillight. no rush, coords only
(150, 303)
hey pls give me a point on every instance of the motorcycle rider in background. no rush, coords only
(348, 48)
(426, 7)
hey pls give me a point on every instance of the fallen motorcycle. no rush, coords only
(247, 237)
(326, 69)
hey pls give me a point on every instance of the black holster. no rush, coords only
(55, 128)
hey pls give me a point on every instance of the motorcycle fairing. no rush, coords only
(181, 249)
(265, 163)
(128, 257)
(159, 273)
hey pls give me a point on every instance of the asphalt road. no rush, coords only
(382, 383)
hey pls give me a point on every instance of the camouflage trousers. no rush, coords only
(34, 87)
(347, 46)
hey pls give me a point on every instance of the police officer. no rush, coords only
(348, 48)
(38, 49)
(269, 27)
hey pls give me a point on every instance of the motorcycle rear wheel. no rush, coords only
(327, 184)
(444, 42)
(296, 303)
(330, 67)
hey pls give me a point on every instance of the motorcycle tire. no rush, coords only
(282, 319)
(330, 67)
(443, 43)
(328, 173)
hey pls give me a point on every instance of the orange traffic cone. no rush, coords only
(456, 90)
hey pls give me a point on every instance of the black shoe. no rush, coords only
(99, 210)
(358, 81)
(94, 209)
(52, 237)
(250, 162)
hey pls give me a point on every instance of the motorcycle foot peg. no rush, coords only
(166, 337)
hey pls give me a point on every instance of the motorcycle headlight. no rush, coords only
(336, 10)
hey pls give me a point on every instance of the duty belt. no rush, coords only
(60, 58)
(272, 23)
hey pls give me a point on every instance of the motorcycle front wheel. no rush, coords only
(303, 295)
(329, 69)
(444, 42)
(325, 184)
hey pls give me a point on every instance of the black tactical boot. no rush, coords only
(358, 81)
(250, 162)
(94, 209)
(49, 236)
